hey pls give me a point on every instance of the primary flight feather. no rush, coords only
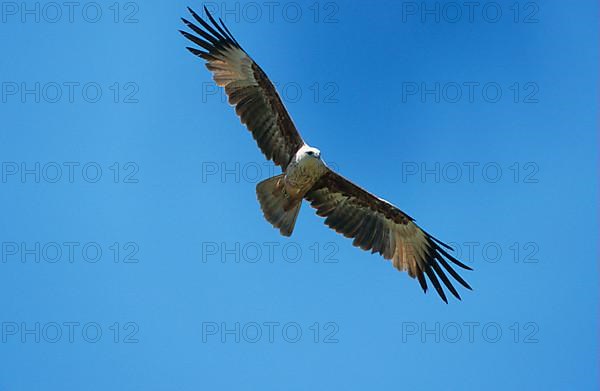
(372, 222)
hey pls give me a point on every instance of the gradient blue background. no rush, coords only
(369, 133)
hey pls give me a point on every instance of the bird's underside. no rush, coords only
(374, 224)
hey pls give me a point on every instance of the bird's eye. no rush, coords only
(310, 153)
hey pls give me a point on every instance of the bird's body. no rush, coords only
(281, 197)
(304, 171)
(372, 222)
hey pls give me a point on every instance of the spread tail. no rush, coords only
(279, 209)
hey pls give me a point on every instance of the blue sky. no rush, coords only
(134, 253)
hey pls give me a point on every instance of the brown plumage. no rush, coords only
(379, 226)
(248, 88)
(372, 222)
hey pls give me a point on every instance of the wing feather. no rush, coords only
(381, 227)
(248, 88)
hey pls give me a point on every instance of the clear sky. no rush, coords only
(134, 253)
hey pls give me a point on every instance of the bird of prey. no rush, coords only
(372, 222)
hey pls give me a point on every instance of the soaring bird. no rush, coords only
(372, 222)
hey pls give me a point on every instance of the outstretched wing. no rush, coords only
(379, 226)
(249, 89)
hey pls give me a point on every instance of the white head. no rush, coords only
(309, 157)
(307, 152)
